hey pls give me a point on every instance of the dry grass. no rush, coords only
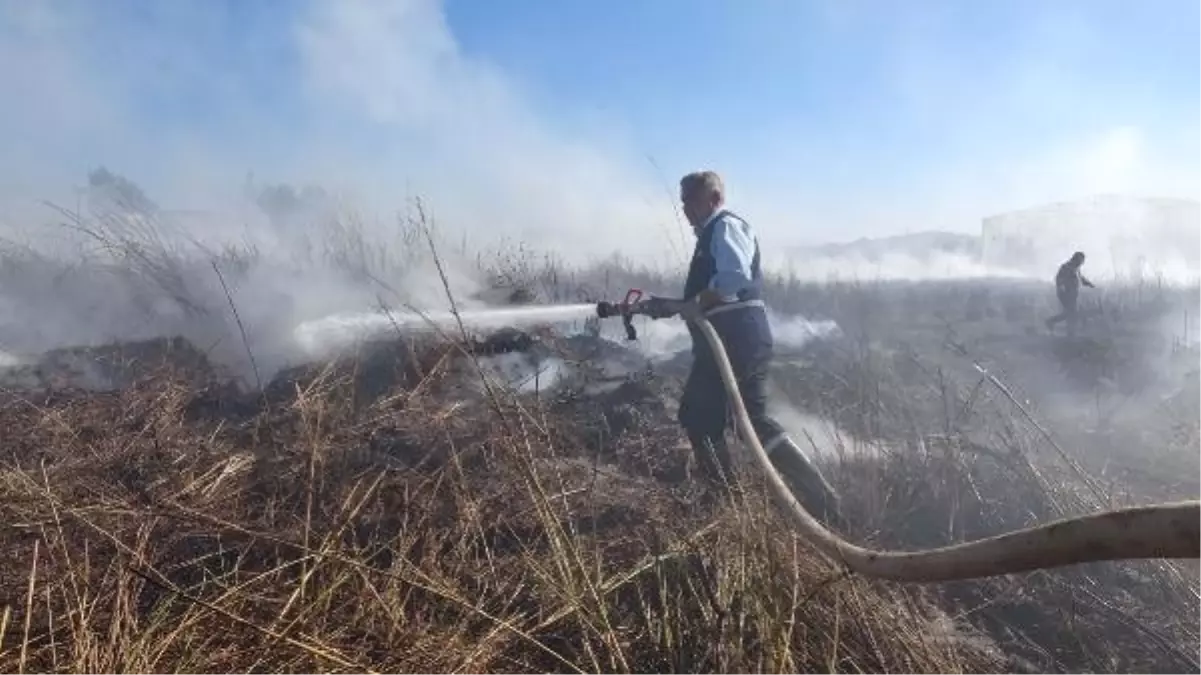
(145, 531)
(344, 523)
(384, 512)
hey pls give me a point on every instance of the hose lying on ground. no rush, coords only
(1170, 530)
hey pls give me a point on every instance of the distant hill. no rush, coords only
(916, 245)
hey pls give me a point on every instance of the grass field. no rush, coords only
(415, 503)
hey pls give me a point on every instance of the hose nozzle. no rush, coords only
(605, 309)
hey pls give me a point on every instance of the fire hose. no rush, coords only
(1168, 530)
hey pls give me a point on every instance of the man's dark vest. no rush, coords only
(703, 266)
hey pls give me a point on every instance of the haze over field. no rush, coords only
(831, 119)
(288, 140)
(301, 367)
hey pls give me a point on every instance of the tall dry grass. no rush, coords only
(156, 528)
(384, 512)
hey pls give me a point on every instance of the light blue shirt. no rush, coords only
(733, 250)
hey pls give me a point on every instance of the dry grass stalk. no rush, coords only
(424, 527)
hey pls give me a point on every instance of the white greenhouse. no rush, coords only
(1122, 236)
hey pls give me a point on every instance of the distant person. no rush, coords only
(1067, 288)
(724, 284)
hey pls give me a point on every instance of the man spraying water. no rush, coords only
(724, 284)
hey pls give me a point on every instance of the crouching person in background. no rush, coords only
(724, 281)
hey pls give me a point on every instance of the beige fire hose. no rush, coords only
(1170, 530)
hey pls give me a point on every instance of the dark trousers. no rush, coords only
(705, 408)
(1067, 303)
(705, 412)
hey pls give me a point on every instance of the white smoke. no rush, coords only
(895, 267)
(376, 103)
(819, 438)
(521, 373)
(796, 331)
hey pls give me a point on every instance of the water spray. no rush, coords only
(317, 335)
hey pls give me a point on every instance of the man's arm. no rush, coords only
(733, 250)
(1086, 282)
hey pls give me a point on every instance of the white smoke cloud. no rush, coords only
(379, 103)
(8, 360)
(488, 159)
(893, 267)
(523, 374)
(819, 438)
(795, 332)
(377, 99)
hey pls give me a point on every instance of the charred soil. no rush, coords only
(396, 510)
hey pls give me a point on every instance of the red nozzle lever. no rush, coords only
(607, 309)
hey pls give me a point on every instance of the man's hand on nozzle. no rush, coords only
(708, 299)
(691, 310)
(696, 308)
(661, 308)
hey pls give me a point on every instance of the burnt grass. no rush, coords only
(390, 511)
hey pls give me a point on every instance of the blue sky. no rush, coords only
(831, 119)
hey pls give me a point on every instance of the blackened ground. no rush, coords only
(475, 495)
